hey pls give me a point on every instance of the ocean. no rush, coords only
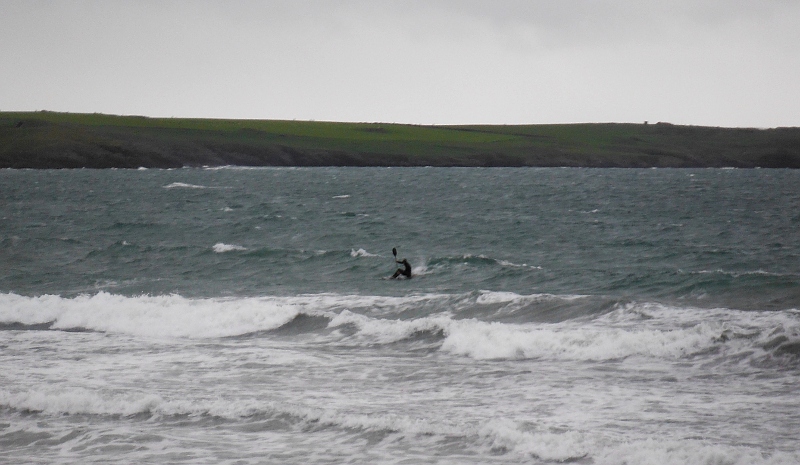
(243, 316)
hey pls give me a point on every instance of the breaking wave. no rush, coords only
(222, 248)
(183, 185)
(497, 436)
(473, 325)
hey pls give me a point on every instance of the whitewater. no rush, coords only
(240, 316)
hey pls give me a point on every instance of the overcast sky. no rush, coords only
(702, 62)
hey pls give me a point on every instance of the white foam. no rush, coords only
(604, 339)
(661, 452)
(512, 439)
(496, 297)
(79, 401)
(383, 331)
(380, 422)
(517, 265)
(361, 253)
(155, 316)
(345, 196)
(739, 274)
(506, 435)
(184, 186)
(174, 315)
(29, 310)
(421, 270)
(482, 340)
(332, 304)
(499, 297)
(646, 330)
(219, 247)
(568, 341)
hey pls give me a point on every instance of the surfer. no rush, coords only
(405, 271)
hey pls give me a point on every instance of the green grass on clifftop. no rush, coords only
(68, 140)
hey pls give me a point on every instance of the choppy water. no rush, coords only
(556, 315)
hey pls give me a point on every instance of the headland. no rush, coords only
(50, 140)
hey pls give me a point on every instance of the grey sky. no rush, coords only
(705, 62)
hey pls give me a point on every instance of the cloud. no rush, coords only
(437, 61)
(595, 23)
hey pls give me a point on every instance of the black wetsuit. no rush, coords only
(406, 271)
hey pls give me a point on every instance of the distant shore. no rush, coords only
(49, 140)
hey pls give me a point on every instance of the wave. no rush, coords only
(303, 254)
(755, 289)
(483, 340)
(80, 401)
(174, 315)
(386, 331)
(677, 452)
(475, 260)
(493, 435)
(153, 316)
(483, 325)
(497, 436)
(740, 274)
(184, 185)
(525, 442)
(361, 253)
(635, 330)
(220, 247)
(177, 316)
(469, 263)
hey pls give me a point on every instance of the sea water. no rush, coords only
(555, 315)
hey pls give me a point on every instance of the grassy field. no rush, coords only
(68, 140)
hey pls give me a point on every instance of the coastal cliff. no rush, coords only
(44, 140)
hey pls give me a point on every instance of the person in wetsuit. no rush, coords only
(405, 271)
